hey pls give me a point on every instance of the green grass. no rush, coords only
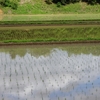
(40, 7)
(38, 12)
(52, 23)
(52, 17)
(50, 35)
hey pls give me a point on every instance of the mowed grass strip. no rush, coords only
(50, 35)
(48, 17)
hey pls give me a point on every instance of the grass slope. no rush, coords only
(50, 34)
(37, 11)
(40, 7)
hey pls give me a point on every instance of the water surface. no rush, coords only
(50, 72)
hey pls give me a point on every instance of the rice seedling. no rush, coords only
(56, 75)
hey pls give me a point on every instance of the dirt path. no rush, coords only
(1, 14)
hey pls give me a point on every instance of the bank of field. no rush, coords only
(50, 17)
(49, 34)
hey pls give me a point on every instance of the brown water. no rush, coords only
(50, 72)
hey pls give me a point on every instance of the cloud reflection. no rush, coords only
(58, 76)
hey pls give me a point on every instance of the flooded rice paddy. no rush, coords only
(50, 72)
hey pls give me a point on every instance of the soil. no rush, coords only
(1, 14)
(24, 1)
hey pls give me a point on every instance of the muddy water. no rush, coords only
(50, 72)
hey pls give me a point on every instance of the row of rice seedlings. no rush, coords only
(40, 71)
(31, 66)
(4, 70)
(53, 76)
(58, 67)
(44, 69)
(42, 80)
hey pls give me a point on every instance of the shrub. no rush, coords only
(58, 4)
(92, 2)
(48, 1)
(14, 5)
(8, 3)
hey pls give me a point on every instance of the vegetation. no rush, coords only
(52, 23)
(41, 7)
(51, 17)
(8, 3)
(73, 13)
(64, 2)
(50, 34)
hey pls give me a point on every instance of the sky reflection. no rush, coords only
(57, 76)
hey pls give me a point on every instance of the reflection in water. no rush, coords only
(57, 76)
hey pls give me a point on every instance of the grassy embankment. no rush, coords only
(40, 7)
(56, 30)
(41, 13)
(50, 34)
(50, 28)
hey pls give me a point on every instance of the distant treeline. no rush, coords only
(9, 3)
(64, 2)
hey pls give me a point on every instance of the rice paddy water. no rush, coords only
(50, 72)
